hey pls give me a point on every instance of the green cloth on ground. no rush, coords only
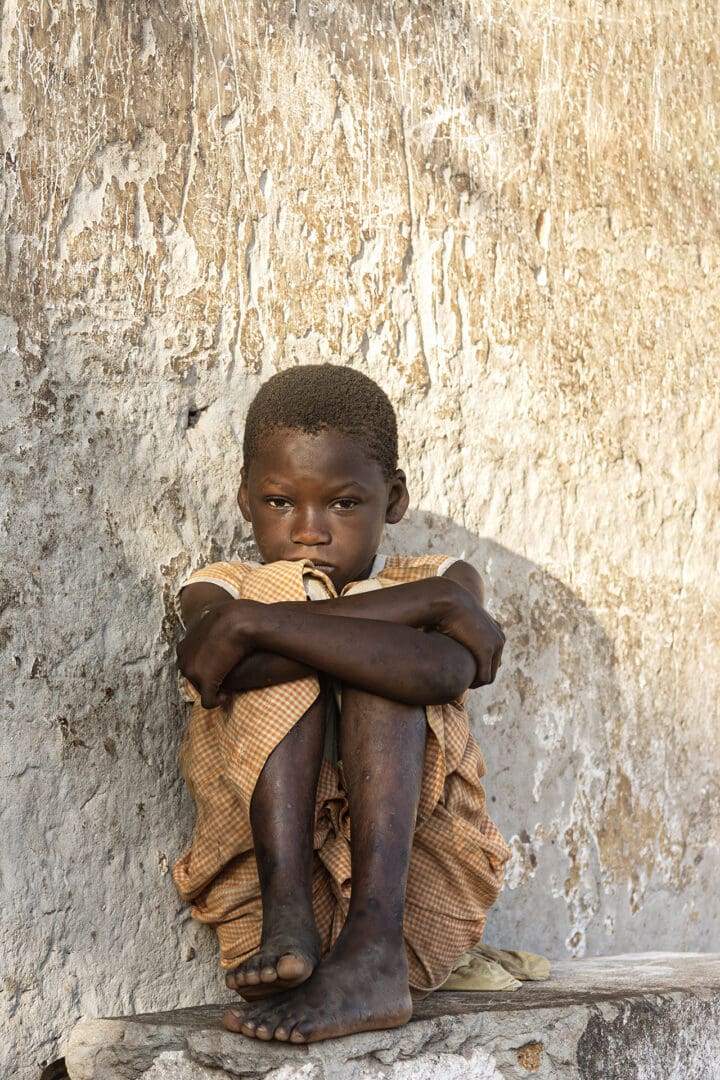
(485, 968)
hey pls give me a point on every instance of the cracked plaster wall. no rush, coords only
(507, 213)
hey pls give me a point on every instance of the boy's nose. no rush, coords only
(310, 532)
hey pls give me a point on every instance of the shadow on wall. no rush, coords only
(551, 729)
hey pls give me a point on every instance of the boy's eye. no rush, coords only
(345, 504)
(277, 502)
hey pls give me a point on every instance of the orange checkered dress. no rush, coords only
(458, 856)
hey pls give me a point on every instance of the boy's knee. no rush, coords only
(361, 702)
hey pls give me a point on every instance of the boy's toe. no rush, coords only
(233, 1020)
(284, 1029)
(245, 1020)
(284, 1026)
(250, 1023)
(264, 1032)
(250, 972)
(265, 1024)
(294, 968)
(239, 978)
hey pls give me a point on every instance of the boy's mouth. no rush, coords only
(326, 568)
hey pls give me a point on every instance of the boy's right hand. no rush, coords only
(214, 645)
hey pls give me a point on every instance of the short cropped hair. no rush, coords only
(315, 397)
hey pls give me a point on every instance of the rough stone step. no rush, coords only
(631, 1017)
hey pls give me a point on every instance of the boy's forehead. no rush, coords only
(293, 452)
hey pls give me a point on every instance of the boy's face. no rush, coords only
(320, 497)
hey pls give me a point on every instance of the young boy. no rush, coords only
(342, 850)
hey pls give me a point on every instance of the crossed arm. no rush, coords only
(371, 640)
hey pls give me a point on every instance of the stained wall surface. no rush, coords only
(508, 215)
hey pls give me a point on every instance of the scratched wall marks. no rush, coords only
(506, 214)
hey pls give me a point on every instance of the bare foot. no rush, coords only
(354, 989)
(285, 959)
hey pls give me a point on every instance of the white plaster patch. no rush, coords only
(149, 44)
(124, 163)
(181, 263)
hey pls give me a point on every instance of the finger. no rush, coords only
(496, 662)
(209, 697)
(217, 698)
(484, 671)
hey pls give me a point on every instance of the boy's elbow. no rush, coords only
(453, 678)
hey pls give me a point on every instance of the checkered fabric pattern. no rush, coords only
(458, 856)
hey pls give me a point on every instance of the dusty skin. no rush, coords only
(284, 961)
(282, 833)
(363, 982)
(358, 987)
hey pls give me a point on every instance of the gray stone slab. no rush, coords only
(645, 1016)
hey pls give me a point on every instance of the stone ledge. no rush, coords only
(631, 1017)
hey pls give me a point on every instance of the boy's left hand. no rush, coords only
(214, 645)
(474, 627)
(468, 622)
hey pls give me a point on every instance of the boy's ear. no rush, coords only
(242, 495)
(398, 499)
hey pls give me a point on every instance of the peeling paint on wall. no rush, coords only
(506, 215)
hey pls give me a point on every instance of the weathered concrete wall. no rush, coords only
(508, 215)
